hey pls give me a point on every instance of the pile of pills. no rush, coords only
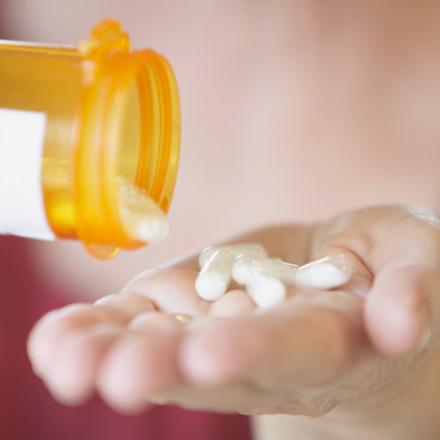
(265, 279)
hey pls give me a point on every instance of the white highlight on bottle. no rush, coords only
(326, 273)
(252, 250)
(215, 276)
(140, 215)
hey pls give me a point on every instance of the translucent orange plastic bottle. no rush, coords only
(81, 130)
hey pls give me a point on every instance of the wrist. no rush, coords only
(404, 410)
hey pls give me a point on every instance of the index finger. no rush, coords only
(172, 289)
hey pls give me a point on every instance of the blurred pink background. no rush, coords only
(292, 110)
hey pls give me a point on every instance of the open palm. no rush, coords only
(318, 351)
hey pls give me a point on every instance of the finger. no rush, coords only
(139, 364)
(173, 290)
(396, 253)
(357, 236)
(401, 307)
(131, 303)
(301, 341)
(148, 321)
(233, 303)
(72, 373)
(47, 335)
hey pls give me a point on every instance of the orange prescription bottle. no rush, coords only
(89, 141)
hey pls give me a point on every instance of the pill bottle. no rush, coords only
(89, 141)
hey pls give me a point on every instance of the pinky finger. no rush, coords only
(72, 374)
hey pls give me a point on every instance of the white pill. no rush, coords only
(266, 291)
(152, 230)
(326, 273)
(253, 250)
(244, 268)
(215, 276)
(141, 217)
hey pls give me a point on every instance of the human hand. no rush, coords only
(347, 350)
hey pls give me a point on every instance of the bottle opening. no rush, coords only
(141, 217)
(128, 148)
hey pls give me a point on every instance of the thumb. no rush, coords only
(403, 308)
(395, 255)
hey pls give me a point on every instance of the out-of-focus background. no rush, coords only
(292, 110)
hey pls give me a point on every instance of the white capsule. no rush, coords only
(266, 291)
(253, 250)
(142, 218)
(244, 268)
(215, 276)
(326, 273)
(152, 230)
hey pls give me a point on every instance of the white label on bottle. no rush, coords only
(22, 209)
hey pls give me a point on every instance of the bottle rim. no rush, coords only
(109, 69)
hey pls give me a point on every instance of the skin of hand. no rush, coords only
(361, 358)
